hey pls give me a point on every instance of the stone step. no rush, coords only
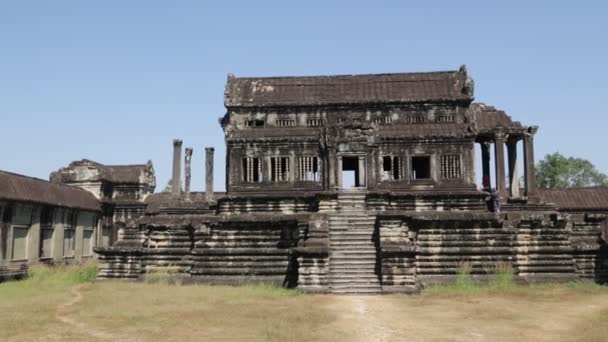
(360, 286)
(352, 265)
(344, 272)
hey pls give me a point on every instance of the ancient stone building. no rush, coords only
(362, 184)
(120, 189)
(45, 222)
(53, 223)
(343, 184)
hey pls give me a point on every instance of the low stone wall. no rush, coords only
(208, 249)
(413, 249)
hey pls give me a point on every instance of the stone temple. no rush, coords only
(352, 184)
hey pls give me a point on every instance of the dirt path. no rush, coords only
(62, 315)
(419, 318)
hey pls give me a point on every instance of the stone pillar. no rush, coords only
(362, 171)
(330, 169)
(513, 174)
(530, 179)
(58, 230)
(33, 254)
(188, 171)
(177, 159)
(78, 236)
(339, 172)
(209, 195)
(485, 163)
(499, 162)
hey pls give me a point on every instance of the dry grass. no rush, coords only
(158, 311)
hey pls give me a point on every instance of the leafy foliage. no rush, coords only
(558, 171)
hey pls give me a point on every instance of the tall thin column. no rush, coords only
(485, 164)
(59, 218)
(362, 170)
(177, 159)
(33, 254)
(499, 162)
(330, 170)
(188, 171)
(209, 195)
(513, 174)
(339, 172)
(529, 162)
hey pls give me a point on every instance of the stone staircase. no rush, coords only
(352, 256)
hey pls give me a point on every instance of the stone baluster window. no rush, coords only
(285, 123)
(254, 123)
(416, 119)
(391, 168)
(383, 120)
(450, 166)
(444, 118)
(315, 122)
(308, 169)
(252, 170)
(279, 169)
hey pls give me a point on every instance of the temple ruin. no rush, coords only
(356, 184)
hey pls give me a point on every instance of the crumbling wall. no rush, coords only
(312, 255)
(590, 249)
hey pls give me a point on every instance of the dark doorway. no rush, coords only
(421, 167)
(350, 172)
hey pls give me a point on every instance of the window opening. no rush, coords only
(254, 123)
(279, 167)
(450, 166)
(308, 169)
(391, 168)
(252, 169)
(285, 123)
(421, 167)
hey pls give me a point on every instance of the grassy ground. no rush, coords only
(65, 305)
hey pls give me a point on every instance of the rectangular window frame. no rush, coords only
(315, 122)
(309, 168)
(26, 250)
(280, 169)
(396, 167)
(254, 123)
(430, 167)
(285, 123)
(251, 170)
(87, 252)
(449, 170)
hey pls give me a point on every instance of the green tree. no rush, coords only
(558, 171)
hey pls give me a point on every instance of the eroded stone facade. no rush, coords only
(360, 184)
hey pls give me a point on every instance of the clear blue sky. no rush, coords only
(116, 81)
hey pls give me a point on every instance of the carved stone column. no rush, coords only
(33, 254)
(209, 194)
(177, 159)
(499, 162)
(529, 162)
(513, 175)
(188, 171)
(339, 172)
(362, 170)
(485, 164)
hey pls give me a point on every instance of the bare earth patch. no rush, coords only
(117, 311)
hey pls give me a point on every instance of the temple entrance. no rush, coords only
(352, 172)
